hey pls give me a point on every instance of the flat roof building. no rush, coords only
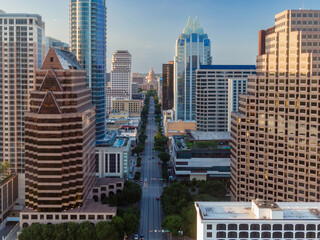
(258, 219)
(217, 92)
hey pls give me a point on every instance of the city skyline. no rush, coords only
(152, 43)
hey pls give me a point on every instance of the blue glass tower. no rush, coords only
(88, 43)
(193, 48)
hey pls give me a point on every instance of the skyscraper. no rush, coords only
(21, 53)
(121, 72)
(59, 136)
(275, 135)
(88, 43)
(167, 86)
(193, 48)
(212, 94)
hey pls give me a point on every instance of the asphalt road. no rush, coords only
(151, 213)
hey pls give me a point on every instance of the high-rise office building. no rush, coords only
(167, 86)
(217, 91)
(21, 53)
(275, 134)
(59, 136)
(88, 43)
(193, 48)
(121, 72)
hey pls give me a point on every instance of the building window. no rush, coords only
(254, 235)
(311, 227)
(288, 235)
(299, 227)
(243, 227)
(209, 234)
(232, 227)
(243, 235)
(311, 234)
(277, 227)
(299, 235)
(288, 227)
(221, 235)
(112, 163)
(118, 163)
(232, 234)
(266, 227)
(209, 227)
(254, 227)
(221, 227)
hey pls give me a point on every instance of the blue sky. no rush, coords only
(149, 28)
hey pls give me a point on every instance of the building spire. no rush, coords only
(196, 26)
(189, 27)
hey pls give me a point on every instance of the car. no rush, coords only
(145, 179)
(141, 236)
(158, 198)
(159, 162)
(141, 180)
(136, 237)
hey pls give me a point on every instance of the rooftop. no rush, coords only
(229, 67)
(253, 210)
(89, 206)
(106, 181)
(204, 136)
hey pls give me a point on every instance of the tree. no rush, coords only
(61, 231)
(174, 223)
(131, 223)
(119, 225)
(137, 176)
(106, 231)
(213, 188)
(86, 231)
(164, 156)
(174, 198)
(131, 192)
(72, 230)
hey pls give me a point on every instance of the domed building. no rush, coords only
(151, 76)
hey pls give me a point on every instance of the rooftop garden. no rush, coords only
(184, 143)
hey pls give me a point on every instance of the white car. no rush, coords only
(136, 237)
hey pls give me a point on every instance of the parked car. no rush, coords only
(136, 237)
(141, 236)
(159, 162)
(158, 198)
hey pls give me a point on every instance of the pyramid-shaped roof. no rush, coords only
(50, 82)
(49, 105)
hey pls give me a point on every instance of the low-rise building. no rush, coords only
(8, 194)
(258, 219)
(133, 107)
(201, 155)
(172, 127)
(112, 156)
(90, 211)
(105, 187)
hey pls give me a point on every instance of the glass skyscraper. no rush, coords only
(88, 43)
(193, 48)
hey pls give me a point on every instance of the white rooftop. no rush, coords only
(211, 135)
(255, 210)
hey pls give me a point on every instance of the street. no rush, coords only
(151, 214)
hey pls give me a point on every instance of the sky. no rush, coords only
(149, 28)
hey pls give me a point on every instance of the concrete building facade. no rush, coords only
(217, 91)
(112, 157)
(258, 219)
(21, 53)
(275, 134)
(133, 107)
(121, 72)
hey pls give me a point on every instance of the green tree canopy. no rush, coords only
(174, 223)
(213, 188)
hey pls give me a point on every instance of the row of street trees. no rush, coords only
(178, 203)
(127, 222)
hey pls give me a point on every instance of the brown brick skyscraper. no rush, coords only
(275, 135)
(59, 136)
